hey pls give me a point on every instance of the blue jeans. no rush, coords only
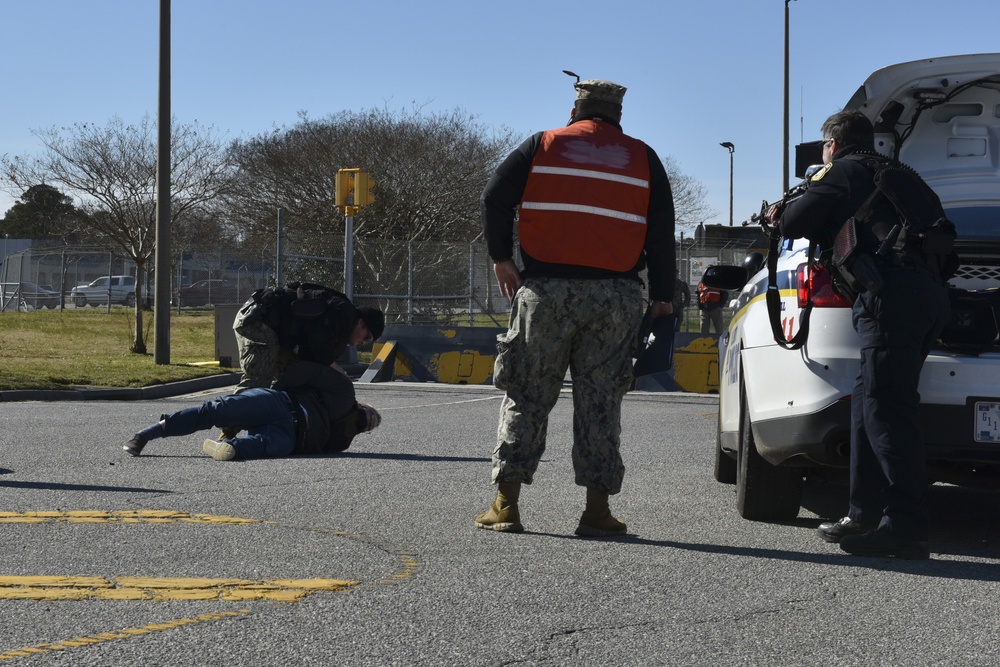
(265, 414)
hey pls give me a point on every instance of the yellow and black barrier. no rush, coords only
(453, 355)
(465, 355)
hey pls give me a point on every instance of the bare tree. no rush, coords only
(429, 172)
(111, 171)
(690, 208)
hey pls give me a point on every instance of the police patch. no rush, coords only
(822, 172)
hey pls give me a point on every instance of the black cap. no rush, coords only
(374, 320)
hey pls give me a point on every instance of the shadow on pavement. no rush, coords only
(77, 487)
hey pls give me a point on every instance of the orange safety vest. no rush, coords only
(707, 295)
(587, 197)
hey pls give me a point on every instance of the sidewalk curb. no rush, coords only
(122, 393)
(151, 392)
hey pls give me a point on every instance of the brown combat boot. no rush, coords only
(503, 514)
(597, 520)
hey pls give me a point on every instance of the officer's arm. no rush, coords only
(813, 211)
(501, 197)
(660, 244)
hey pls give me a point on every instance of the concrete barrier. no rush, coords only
(453, 355)
(465, 355)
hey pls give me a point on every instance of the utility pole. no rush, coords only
(161, 263)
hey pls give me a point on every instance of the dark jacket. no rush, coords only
(503, 193)
(314, 321)
(327, 410)
(833, 195)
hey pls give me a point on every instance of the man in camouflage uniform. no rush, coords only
(594, 208)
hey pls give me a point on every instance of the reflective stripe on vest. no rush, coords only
(586, 199)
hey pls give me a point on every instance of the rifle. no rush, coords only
(773, 294)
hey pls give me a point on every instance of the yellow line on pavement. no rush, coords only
(123, 516)
(163, 588)
(120, 634)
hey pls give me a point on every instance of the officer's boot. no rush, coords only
(503, 514)
(597, 520)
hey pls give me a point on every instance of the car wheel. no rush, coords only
(130, 301)
(725, 465)
(80, 301)
(763, 492)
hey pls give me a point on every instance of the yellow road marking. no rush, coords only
(163, 588)
(171, 588)
(120, 634)
(123, 516)
(168, 588)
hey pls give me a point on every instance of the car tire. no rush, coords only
(763, 492)
(129, 301)
(80, 301)
(725, 465)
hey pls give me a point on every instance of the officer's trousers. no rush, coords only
(590, 328)
(888, 467)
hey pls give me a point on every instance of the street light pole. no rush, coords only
(784, 144)
(731, 147)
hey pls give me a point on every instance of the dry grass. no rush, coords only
(48, 349)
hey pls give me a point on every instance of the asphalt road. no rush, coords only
(371, 558)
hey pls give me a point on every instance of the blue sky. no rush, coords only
(698, 72)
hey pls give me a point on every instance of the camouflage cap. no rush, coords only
(600, 90)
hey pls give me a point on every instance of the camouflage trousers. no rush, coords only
(589, 327)
(261, 358)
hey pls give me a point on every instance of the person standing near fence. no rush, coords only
(594, 207)
(682, 298)
(710, 303)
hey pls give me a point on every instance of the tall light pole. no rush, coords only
(161, 262)
(784, 144)
(731, 147)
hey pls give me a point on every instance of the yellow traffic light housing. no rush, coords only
(344, 187)
(363, 184)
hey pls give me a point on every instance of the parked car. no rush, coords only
(120, 289)
(206, 292)
(784, 415)
(34, 295)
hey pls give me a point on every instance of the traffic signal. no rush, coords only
(363, 184)
(345, 187)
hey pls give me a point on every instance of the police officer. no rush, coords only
(888, 513)
(595, 208)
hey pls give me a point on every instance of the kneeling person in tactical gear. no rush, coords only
(300, 322)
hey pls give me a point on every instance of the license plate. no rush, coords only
(987, 426)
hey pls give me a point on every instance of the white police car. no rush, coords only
(785, 415)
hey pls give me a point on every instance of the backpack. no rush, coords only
(903, 216)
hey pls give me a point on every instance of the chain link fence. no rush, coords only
(427, 283)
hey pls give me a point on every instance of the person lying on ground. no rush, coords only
(311, 410)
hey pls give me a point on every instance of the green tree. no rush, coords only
(43, 213)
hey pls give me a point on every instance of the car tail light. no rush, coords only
(816, 286)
